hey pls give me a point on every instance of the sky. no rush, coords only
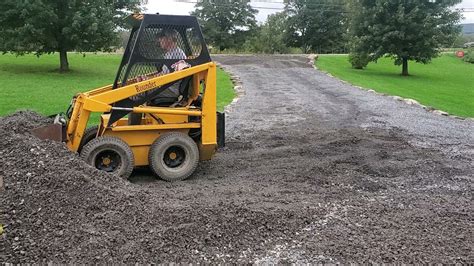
(179, 7)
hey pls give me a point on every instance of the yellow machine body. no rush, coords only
(157, 120)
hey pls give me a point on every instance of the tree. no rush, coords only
(405, 30)
(225, 23)
(270, 38)
(316, 25)
(48, 26)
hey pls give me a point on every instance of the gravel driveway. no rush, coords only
(314, 170)
(320, 171)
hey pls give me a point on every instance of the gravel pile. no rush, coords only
(55, 208)
(52, 201)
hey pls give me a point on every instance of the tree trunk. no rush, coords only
(64, 64)
(405, 67)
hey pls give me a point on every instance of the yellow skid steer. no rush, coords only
(159, 112)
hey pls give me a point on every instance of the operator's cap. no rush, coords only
(170, 33)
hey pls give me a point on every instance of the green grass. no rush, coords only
(446, 84)
(225, 89)
(28, 82)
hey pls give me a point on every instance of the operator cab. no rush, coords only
(159, 45)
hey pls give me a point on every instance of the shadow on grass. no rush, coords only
(393, 75)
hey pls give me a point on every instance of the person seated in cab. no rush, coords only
(167, 39)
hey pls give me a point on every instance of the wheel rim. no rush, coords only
(174, 156)
(108, 161)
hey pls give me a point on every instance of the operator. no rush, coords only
(168, 41)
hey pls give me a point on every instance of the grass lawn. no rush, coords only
(28, 82)
(446, 84)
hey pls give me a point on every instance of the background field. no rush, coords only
(446, 84)
(28, 82)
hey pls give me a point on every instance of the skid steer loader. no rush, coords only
(170, 134)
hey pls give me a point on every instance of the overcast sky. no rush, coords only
(179, 8)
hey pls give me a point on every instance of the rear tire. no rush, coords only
(89, 134)
(109, 154)
(174, 157)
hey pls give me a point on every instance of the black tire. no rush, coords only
(174, 156)
(89, 134)
(109, 154)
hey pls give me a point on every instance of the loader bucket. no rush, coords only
(51, 132)
(56, 131)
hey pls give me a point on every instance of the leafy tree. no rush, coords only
(271, 36)
(403, 29)
(316, 25)
(359, 60)
(225, 23)
(48, 26)
(469, 56)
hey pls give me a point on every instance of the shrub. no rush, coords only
(469, 56)
(359, 60)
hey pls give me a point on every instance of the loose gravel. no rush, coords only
(314, 170)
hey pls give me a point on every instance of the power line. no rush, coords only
(315, 5)
(312, 5)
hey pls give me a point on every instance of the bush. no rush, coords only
(359, 60)
(469, 56)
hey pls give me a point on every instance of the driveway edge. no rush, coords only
(314, 57)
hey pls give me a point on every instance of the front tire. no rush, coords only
(109, 154)
(174, 157)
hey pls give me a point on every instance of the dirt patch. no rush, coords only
(365, 194)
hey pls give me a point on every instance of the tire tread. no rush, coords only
(100, 141)
(164, 139)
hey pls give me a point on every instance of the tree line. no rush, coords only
(406, 30)
(308, 26)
